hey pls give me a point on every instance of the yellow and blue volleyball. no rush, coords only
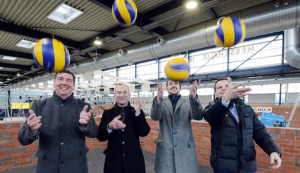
(124, 12)
(231, 31)
(177, 69)
(51, 55)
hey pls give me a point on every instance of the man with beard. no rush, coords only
(61, 123)
(122, 126)
(234, 126)
(175, 151)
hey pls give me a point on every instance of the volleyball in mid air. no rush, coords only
(177, 69)
(231, 31)
(124, 12)
(51, 55)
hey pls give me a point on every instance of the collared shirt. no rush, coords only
(233, 110)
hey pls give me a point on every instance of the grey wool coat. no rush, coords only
(62, 147)
(175, 151)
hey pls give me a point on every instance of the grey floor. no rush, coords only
(96, 162)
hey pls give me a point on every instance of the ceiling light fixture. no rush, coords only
(18, 74)
(64, 14)
(10, 58)
(26, 44)
(191, 5)
(98, 41)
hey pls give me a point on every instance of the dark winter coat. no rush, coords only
(62, 147)
(123, 152)
(232, 146)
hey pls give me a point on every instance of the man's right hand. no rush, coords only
(233, 92)
(159, 96)
(116, 124)
(34, 122)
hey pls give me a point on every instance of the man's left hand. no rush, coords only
(194, 88)
(85, 116)
(275, 160)
(137, 105)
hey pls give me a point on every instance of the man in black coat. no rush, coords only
(61, 123)
(234, 126)
(122, 126)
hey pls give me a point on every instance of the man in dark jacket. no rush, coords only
(61, 124)
(122, 126)
(234, 126)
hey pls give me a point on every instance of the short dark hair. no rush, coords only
(66, 71)
(174, 81)
(224, 78)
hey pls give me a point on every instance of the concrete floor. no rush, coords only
(95, 157)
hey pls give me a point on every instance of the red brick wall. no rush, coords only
(14, 156)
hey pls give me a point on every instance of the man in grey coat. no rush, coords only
(175, 151)
(61, 124)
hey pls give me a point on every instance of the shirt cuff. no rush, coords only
(226, 104)
(108, 130)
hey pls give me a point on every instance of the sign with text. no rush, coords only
(262, 109)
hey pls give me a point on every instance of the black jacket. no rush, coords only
(123, 152)
(62, 146)
(232, 147)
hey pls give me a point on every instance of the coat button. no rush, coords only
(123, 142)
(123, 155)
(123, 130)
(61, 143)
(61, 104)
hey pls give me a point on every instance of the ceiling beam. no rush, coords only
(27, 32)
(23, 67)
(16, 54)
(8, 72)
(213, 13)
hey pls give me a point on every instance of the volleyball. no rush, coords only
(124, 12)
(231, 31)
(177, 69)
(51, 55)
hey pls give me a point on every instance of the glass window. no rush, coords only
(208, 61)
(147, 70)
(294, 87)
(269, 55)
(263, 89)
(127, 72)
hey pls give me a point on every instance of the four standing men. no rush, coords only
(61, 123)
(175, 151)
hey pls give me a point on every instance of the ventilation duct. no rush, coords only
(292, 46)
(262, 19)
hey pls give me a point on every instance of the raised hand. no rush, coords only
(34, 122)
(85, 115)
(116, 124)
(137, 105)
(275, 160)
(233, 92)
(194, 88)
(159, 96)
